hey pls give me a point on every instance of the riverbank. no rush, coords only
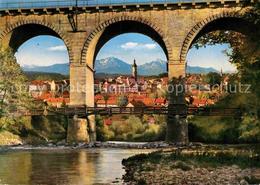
(205, 165)
(159, 145)
(109, 144)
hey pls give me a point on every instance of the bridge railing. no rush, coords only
(170, 111)
(40, 4)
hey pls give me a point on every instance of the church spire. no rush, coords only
(134, 70)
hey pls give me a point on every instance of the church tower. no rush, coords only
(134, 70)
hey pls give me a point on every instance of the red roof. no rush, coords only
(98, 97)
(200, 102)
(58, 100)
(45, 96)
(160, 101)
(110, 101)
(148, 101)
(66, 94)
(37, 82)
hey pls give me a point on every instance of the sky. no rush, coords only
(48, 50)
(42, 51)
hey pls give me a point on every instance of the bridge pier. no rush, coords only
(177, 125)
(177, 130)
(91, 119)
(77, 131)
(82, 130)
(82, 93)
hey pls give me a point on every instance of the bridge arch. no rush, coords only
(232, 21)
(18, 33)
(117, 26)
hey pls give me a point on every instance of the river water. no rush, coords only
(65, 167)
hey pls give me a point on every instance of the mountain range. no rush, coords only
(56, 68)
(114, 65)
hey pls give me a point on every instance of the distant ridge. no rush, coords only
(56, 68)
(200, 70)
(114, 65)
(32, 75)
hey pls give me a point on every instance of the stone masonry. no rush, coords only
(175, 27)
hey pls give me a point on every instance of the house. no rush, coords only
(149, 102)
(200, 102)
(105, 86)
(160, 101)
(66, 94)
(57, 102)
(97, 86)
(45, 95)
(135, 104)
(111, 102)
(53, 86)
(164, 81)
(38, 87)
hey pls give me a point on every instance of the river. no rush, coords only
(60, 166)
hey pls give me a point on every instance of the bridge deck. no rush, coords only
(84, 111)
(52, 4)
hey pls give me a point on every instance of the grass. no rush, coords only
(199, 158)
(207, 159)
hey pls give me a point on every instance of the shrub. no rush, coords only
(100, 128)
(132, 128)
(250, 129)
(213, 130)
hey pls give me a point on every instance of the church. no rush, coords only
(134, 70)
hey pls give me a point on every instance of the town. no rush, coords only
(133, 90)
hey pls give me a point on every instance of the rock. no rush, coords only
(161, 172)
(61, 143)
(81, 145)
(50, 145)
(98, 144)
(243, 182)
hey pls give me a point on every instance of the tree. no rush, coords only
(204, 95)
(106, 98)
(122, 101)
(244, 49)
(244, 52)
(13, 88)
(212, 78)
(161, 75)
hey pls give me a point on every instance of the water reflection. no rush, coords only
(15, 168)
(63, 166)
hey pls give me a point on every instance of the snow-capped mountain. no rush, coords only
(114, 65)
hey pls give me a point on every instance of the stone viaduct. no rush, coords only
(84, 30)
